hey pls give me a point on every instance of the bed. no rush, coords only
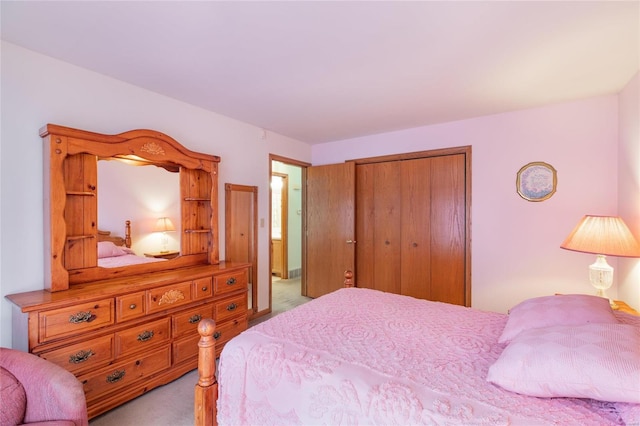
(360, 356)
(115, 251)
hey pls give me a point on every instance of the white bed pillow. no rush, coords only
(109, 249)
(566, 309)
(598, 361)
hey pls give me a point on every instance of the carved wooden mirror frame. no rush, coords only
(70, 208)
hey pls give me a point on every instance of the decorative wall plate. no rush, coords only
(537, 181)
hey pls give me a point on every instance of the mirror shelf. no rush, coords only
(71, 188)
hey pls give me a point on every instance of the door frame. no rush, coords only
(284, 225)
(303, 177)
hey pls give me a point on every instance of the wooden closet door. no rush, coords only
(329, 226)
(378, 226)
(448, 230)
(411, 227)
(416, 223)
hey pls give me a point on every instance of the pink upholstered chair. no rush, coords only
(36, 391)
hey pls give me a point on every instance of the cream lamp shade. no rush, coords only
(602, 236)
(164, 224)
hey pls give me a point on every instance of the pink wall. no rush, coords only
(515, 243)
(629, 186)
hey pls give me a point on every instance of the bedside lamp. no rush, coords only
(164, 225)
(602, 236)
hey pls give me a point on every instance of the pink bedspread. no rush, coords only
(126, 260)
(359, 356)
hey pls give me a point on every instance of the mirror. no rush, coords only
(72, 188)
(141, 194)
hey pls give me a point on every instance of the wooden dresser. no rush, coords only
(125, 330)
(123, 337)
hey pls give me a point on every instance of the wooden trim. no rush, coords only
(122, 138)
(303, 176)
(467, 156)
(284, 223)
(413, 155)
(290, 161)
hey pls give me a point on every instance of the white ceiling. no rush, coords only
(331, 70)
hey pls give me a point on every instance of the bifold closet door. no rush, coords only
(448, 223)
(410, 227)
(379, 226)
(416, 228)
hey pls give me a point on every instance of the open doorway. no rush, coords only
(279, 224)
(286, 207)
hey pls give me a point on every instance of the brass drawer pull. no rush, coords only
(145, 335)
(194, 319)
(231, 281)
(81, 317)
(205, 288)
(81, 356)
(116, 376)
(232, 307)
(133, 306)
(217, 335)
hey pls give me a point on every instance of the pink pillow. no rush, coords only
(109, 249)
(598, 361)
(567, 309)
(13, 397)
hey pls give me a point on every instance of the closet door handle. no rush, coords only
(351, 241)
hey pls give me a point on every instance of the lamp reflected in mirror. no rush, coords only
(164, 225)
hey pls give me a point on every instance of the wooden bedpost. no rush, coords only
(348, 279)
(206, 391)
(127, 233)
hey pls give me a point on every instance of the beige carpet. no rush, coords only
(285, 295)
(172, 404)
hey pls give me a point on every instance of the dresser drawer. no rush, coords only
(202, 288)
(232, 281)
(185, 349)
(130, 306)
(187, 322)
(168, 297)
(230, 307)
(75, 319)
(119, 375)
(228, 330)
(82, 356)
(142, 336)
